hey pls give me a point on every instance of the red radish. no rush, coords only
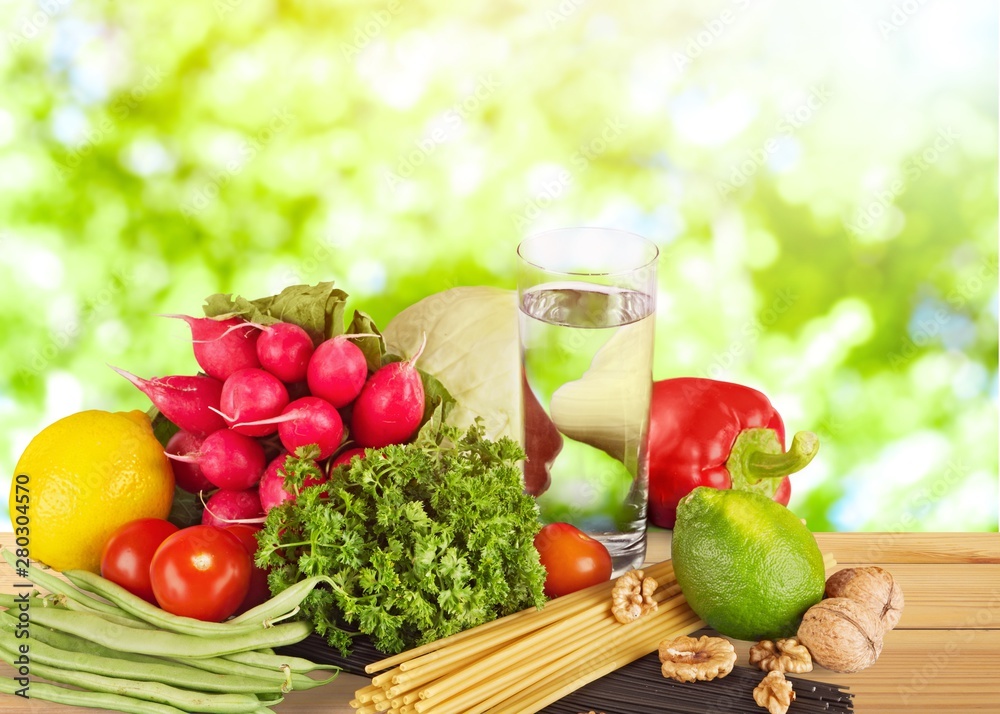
(284, 350)
(228, 460)
(187, 475)
(189, 402)
(226, 507)
(344, 457)
(307, 420)
(252, 395)
(391, 405)
(337, 371)
(221, 347)
(272, 484)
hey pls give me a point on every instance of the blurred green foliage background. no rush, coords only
(821, 179)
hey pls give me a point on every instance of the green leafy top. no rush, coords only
(422, 540)
(318, 309)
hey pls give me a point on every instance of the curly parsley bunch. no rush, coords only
(422, 540)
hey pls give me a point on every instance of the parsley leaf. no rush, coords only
(421, 540)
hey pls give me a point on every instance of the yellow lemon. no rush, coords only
(81, 478)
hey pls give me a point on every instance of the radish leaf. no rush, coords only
(317, 309)
(373, 347)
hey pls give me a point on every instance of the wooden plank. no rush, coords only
(961, 592)
(912, 547)
(922, 671)
(957, 596)
(882, 547)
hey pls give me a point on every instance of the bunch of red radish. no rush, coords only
(260, 381)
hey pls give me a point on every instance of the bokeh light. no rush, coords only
(821, 180)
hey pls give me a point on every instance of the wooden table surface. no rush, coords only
(944, 656)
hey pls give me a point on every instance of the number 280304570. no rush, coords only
(20, 519)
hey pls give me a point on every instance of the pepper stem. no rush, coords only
(800, 452)
(757, 461)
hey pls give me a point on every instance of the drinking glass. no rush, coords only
(587, 301)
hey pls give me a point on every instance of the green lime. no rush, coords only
(746, 564)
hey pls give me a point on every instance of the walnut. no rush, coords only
(785, 655)
(774, 693)
(632, 596)
(687, 659)
(871, 586)
(841, 634)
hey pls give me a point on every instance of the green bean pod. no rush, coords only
(291, 680)
(260, 659)
(97, 700)
(275, 678)
(137, 607)
(9, 601)
(281, 604)
(122, 618)
(64, 603)
(167, 644)
(61, 587)
(176, 675)
(184, 699)
(35, 599)
(72, 643)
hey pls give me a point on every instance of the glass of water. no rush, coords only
(587, 300)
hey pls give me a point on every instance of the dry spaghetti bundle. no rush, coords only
(521, 663)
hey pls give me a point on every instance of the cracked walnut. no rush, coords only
(687, 659)
(632, 596)
(784, 655)
(774, 693)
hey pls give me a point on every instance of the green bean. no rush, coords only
(281, 604)
(148, 612)
(183, 699)
(60, 587)
(97, 700)
(259, 659)
(35, 599)
(63, 603)
(72, 643)
(159, 642)
(122, 619)
(290, 680)
(164, 672)
(215, 665)
(9, 601)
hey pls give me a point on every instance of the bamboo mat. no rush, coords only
(943, 657)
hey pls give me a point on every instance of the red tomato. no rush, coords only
(127, 554)
(201, 572)
(572, 559)
(259, 591)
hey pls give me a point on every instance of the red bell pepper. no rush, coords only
(704, 432)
